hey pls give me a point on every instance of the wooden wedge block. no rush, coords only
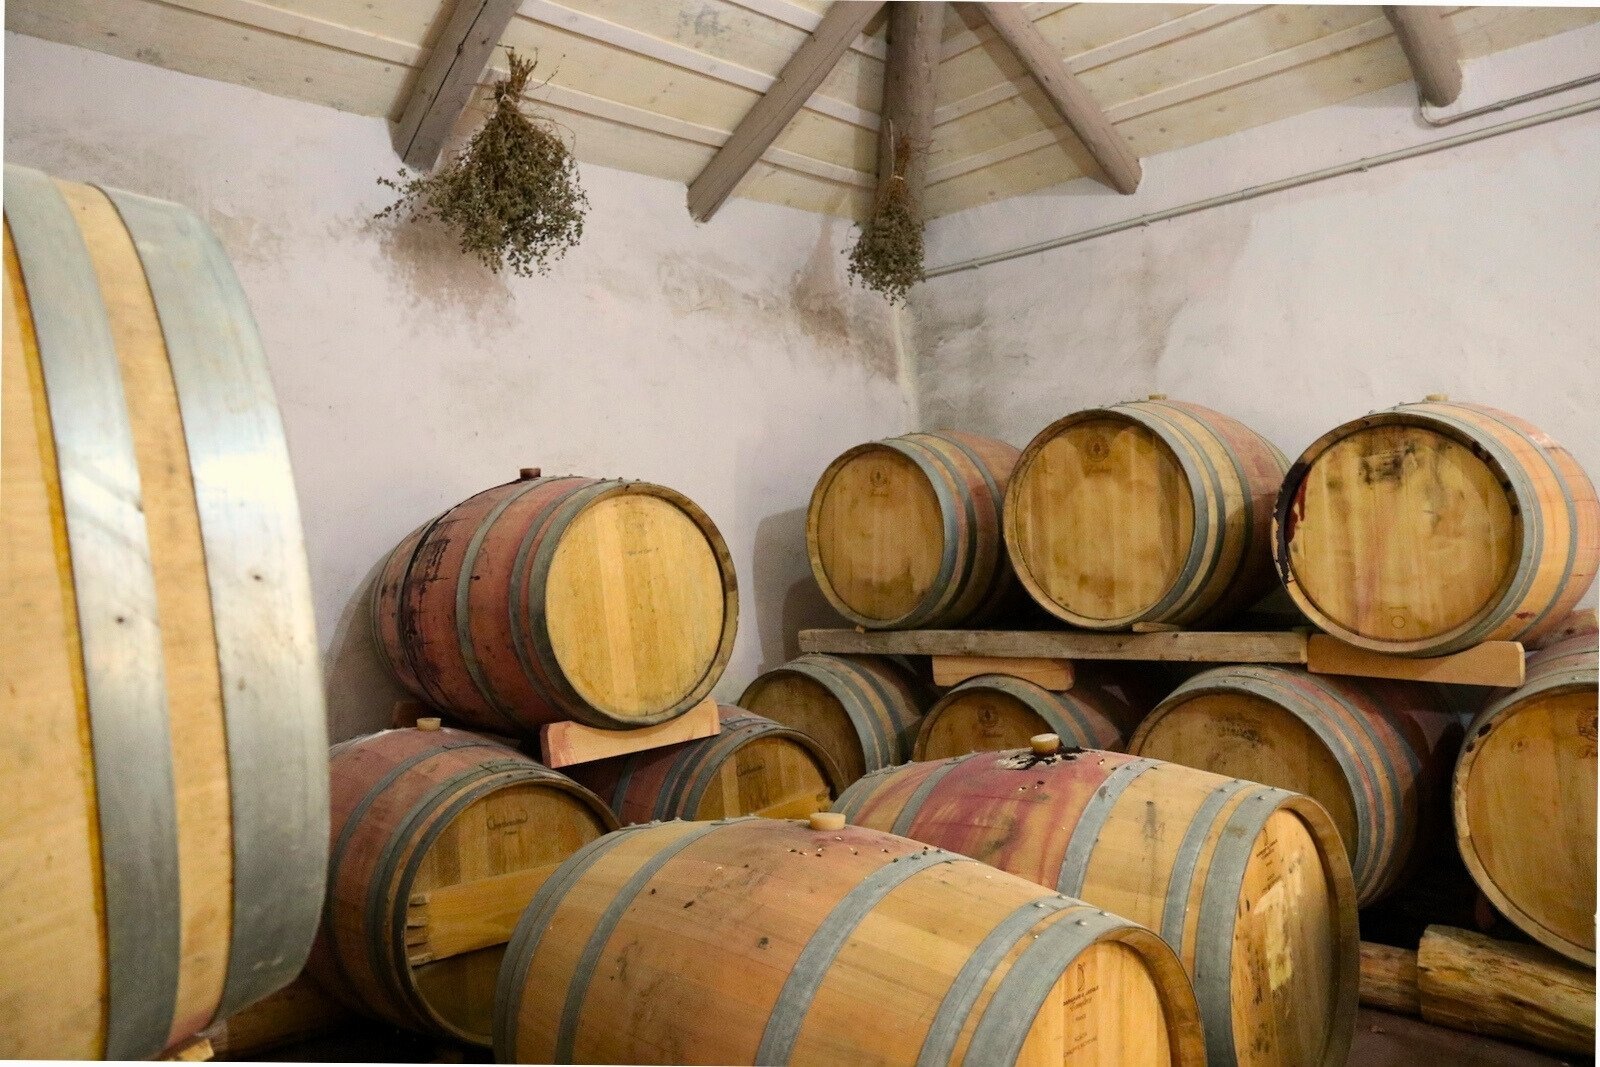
(194, 1050)
(1053, 674)
(566, 743)
(465, 917)
(1497, 663)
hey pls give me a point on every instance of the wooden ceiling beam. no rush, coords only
(444, 87)
(915, 33)
(761, 125)
(1077, 108)
(1432, 49)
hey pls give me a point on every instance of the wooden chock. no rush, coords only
(1158, 396)
(827, 820)
(1045, 744)
(527, 474)
(1437, 398)
(428, 723)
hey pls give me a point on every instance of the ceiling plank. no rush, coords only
(915, 31)
(445, 86)
(795, 84)
(803, 18)
(1432, 49)
(1079, 110)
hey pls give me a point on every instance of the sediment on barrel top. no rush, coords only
(611, 603)
(862, 710)
(1377, 755)
(1249, 884)
(1432, 527)
(994, 712)
(1525, 799)
(165, 847)
(833, 945)
(440, 839)
(754, 766)
(905, 533)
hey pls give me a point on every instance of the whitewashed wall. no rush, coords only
(730, 361)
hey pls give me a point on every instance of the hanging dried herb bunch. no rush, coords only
(887, 257)
(512, 194)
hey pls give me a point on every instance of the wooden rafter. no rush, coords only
(1077, 108)
(1432, 49)
(453, 70)
(761, 125)
(915, 32)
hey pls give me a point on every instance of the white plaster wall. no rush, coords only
(730, 361)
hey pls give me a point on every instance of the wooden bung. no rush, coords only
(164, 844)
(826, 944)
(995, 712)
(1249, 884)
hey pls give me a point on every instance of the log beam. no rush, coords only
(760, 127)
(916, 33)
(1079, 110)
(444, 88)
(1432, 50)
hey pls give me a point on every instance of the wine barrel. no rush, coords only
(1431, 527)
(994, 712)
(163, 849)
(1249, 884)
(905, 533)
(767, 941)
(863, 711)
(753, 767)
(612, 603)
(1525, 799)
(1148, 511)
(1375, 754)
(439, 840)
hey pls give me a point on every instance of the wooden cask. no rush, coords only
(1148, 511)
(612, 603)
(1249, 884)
(862, 710)
(439, 840)
(766, 941)
(1525, 799)
(1375, 754)
(164, 845)
(905, 533)
(753, 767)
(995, 712)
(1432, 527)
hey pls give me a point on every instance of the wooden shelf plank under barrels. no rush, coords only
(567, 743)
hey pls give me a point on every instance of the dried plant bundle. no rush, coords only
(887, 256)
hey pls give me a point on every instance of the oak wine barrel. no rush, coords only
(1249, 884)
(1375, 754)
(905, 533)
(609, 602)
(1147, 511)
(165, 840)
(768, 941)
(1525, 799)
(439, 840)
(862, 710)
(995, 712)
(754, 766)
(1431, 527)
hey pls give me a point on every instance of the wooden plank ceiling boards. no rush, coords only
(660, 86)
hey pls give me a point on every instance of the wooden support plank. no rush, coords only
(566, 743)
(1077, 108)
(915, 31)
(1053, 674)
(1389, 979)
(1498, 663)
(1432, 49)
(447, 80)
(456, 919)
(761, 126)
(297, 1012)
(1187, 646)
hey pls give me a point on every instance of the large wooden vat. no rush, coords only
(440, 839)
(753, 767)
(612, 603)
(1149, 511)
(766, 941)
(862, 710)
(1525, 799)
(1249, 884)
(995, 712)
(905, 533)
(164, 844)
(1376, 755)
(1431, 527)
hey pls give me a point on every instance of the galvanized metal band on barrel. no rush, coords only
(1075, 861)
(406, 672)
(853, 799)
(260, 596)
(811, 967)
(1205, 549)
(908, 814)
(875, 747)
(1051, 707)
(996, 564)
(935, 470)
(118, 624)
(1180, 881)
(695, 769)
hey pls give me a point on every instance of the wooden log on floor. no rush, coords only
(1389, 979)
(1187, 646)
(1496, 663)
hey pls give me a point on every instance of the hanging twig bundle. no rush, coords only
(512, 194)
(887, 257)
